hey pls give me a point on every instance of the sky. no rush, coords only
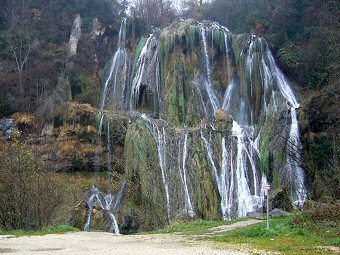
(176, 3)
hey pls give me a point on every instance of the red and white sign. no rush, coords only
(267, 187)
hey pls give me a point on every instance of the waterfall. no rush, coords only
(219, 178)
(231, 175)
(273, 84)
(256, 144)
(106, 203)
(281, 80)
(160, 137)
(243, 191)
(178, 197)
(225, 196)
(137, 80)
(227, 52)
(97, 197)
(183, 173)
(116, 81)
(295, 172)
(230, 182)
(207, 81)
(267, 79)
(113, 96)
(146, 73)
(296, 178)
(90, 204)
(249, 64)
(228, 96)
(109, 206)
(233, 153)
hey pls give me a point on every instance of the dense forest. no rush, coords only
(39, 74)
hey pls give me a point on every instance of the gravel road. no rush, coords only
(100, 243)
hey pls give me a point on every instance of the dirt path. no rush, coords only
(221, 230)
(106, 243)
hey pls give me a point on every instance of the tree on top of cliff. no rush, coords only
(155, 13)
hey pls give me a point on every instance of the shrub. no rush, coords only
(5, 109)
(319, 212)
(28, 195)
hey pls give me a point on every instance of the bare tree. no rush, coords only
(28, 194)
(18, 37)
(154, 12)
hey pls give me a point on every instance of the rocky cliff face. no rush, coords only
(195, 118)
(212, 119)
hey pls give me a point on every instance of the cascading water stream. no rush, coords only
(160, 137)
(117, 77)
(106, 203)
(250, 62)
(224, 177)
(243, 191)
(97, 197)
(114, 85)
(110, 206)
(225, 180)
(141, 69)
(295, 172)
(228, 96)
(90, 213)
(281, 80)
(207, 81)
(236, 169)
(183, 173)
(220, 179)
(227, 52)
(225, 187)
(230, 183)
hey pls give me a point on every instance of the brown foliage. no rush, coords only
(28, 195)
(318, 212)
(26, 123)
(154, 12)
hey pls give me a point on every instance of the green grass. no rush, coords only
(285, 237)
(193, 227)
(289, 237)
(61, 229)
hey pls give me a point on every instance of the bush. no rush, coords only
(317, 212)
(5, 109)
(28, 195)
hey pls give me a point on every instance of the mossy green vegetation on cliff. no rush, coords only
(145, 198)
(145, 201)
(179, 62)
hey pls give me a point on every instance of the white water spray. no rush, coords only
(207, 81)
(183, 174)
(160, 137)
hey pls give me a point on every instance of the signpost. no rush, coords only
(267, 188)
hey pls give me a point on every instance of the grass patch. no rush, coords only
(194, 227)
(286, 237)
(61, 229)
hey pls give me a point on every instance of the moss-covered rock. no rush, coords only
(223, 120)
(145, 197)
(206, 193)
(99, 218)
(280, 198)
